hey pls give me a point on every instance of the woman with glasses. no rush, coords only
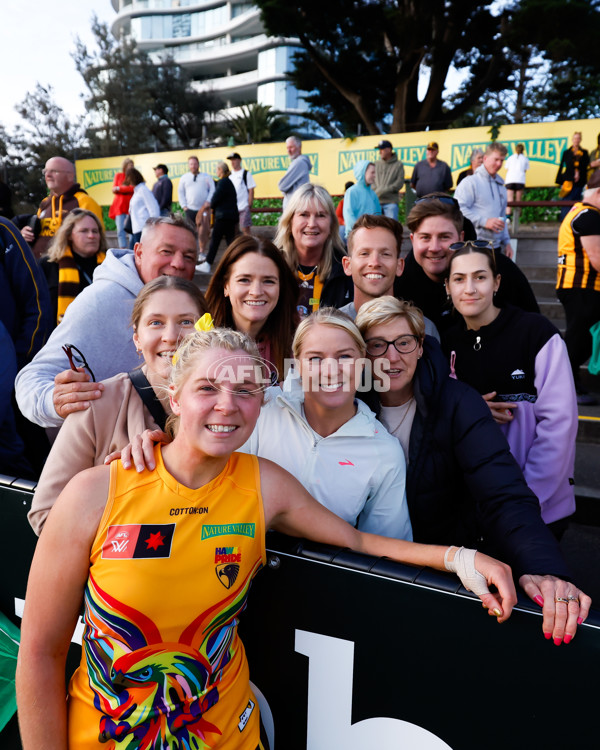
(462, 482)
(164, 312)
(519, 364)
(76, 250)
(163, 665)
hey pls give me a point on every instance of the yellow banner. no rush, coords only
(333, 159)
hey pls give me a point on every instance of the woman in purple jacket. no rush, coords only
(518, 362)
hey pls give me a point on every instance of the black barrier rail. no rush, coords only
(352, 651)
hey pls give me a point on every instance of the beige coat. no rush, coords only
(86, 438)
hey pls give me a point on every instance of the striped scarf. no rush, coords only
(69, 281)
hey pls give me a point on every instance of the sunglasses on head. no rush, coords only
(480, 244)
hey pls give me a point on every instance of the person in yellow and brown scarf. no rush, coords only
(572, 173)
(75, 251)
(65, 195)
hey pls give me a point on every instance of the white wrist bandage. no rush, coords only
(463, 565)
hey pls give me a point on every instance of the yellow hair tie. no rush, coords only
(205, 323)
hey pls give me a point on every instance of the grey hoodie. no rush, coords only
(97, 323)
(296, 175)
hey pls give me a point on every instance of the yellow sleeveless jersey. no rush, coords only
(574, 268)
(162, 664)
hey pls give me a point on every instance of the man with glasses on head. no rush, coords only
(96, 324)
(65, 195)
(436, 223)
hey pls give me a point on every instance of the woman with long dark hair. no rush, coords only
(253, 290)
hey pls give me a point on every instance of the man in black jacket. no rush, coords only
(163, 189)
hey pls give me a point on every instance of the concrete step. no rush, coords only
(539, 273)
(552, 309)
(543, 289)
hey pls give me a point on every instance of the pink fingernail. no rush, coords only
(557, 641)
(568, 638)
(579, 620)
(538, 600)
(547, 636)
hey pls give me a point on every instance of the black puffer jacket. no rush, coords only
(463, 486)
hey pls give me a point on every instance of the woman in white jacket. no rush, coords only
(316, 429)
(143, 204)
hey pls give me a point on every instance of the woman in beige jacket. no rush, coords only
(165, 311)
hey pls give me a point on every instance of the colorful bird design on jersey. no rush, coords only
(153, 694)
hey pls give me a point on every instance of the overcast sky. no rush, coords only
(36, 41)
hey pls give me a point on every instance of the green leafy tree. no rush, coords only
(385, 64)
(256, 123)
(134, 103)
(44, 130)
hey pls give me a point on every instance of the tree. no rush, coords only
(45, 131)
(135, 103)
(256, 123)
(367, 62)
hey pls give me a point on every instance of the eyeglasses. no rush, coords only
(449, 200)
(481, 244)
(77, 360)
(403, 345)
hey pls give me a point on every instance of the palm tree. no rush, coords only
(257, 123)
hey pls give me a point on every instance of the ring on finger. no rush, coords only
(573, 599)
(561, 599)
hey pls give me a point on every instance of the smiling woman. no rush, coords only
(169, 670)
(164, 312)
(309, 238)
(253, 290)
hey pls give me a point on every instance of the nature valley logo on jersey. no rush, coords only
(210, 530)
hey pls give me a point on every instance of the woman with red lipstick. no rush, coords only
(162, 663)
(253, 290)
(462, 481)
(165, 310)
(309, 238)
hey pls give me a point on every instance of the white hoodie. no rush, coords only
(358, 472)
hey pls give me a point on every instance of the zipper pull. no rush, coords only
(477, 344)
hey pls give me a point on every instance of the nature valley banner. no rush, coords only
(334, 159)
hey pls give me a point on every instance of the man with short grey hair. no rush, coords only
(97, 323)
(298, 171)
(482, 199)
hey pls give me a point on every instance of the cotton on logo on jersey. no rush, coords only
(138, 541)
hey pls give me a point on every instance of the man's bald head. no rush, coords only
(59, 174)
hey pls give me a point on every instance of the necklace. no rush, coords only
(306, 276)
(406, 406)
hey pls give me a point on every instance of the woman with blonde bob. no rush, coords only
(162, 663)
(462, 482)
(309, 238)
(75, 252)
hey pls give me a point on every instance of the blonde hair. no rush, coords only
(301, 199)
(61, 242)
(386, 309)
(327, 316)
(224, 167)
(191, 348)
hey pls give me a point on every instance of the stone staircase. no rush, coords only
(536, 256)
